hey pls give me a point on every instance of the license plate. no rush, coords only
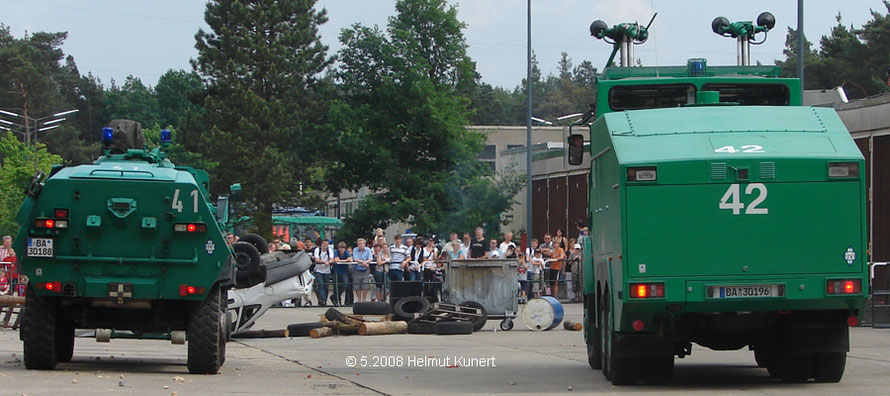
(745, 291)
(40, 247)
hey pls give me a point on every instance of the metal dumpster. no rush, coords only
(492, 283)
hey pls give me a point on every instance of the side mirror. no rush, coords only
(576, 149)
(235, 192)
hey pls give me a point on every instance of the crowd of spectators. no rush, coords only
(11, 282)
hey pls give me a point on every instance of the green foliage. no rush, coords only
(853, 58)
(177, 152)
(264, 101)
(133, 101)
(16, 171)
(400, 125)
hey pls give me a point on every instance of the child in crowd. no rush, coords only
(536, 269)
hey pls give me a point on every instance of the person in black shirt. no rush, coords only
(478, 247)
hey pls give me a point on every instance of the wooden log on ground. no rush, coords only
(12, 300)
(321, 332)
(262, 334)
(378, 328)
(573, 326)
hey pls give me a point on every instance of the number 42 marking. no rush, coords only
(732, 200)
(749, 148)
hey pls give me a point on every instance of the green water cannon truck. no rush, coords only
(722, 212)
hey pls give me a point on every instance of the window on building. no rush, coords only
(489, 152)
(513, 146)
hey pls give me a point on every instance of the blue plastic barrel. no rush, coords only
(541, 314)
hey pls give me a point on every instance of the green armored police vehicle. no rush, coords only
(128, 244)
(723, 213)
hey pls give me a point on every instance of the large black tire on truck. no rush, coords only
(206, 345)
(38, 331)
(593, 341)
(64, 337)
(829, 366)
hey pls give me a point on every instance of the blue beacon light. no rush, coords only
(166, 136)
(107, 135)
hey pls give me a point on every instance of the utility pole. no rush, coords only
(528, 131)
(800, 44)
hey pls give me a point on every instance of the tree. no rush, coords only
(260, 64)
(400, 124)
(173, 92)
(132, 101)
(16, 171)
(853, 58)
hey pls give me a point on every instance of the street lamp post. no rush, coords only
(34, 125)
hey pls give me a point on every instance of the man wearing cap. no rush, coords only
(575, 262)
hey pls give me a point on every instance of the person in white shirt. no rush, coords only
(493, 252)
(323, 256)
(536, 269)
(428, 261)
(415, 256)
(448, 245)
(399, 260)
(508, 240)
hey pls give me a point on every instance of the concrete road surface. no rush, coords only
(515, 362)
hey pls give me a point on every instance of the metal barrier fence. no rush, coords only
(878, 308)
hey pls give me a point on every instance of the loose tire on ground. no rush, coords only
(372, 308)
(205, 335)
(38, 331)
(408, 306)
(302, 329)
(333, 315)
(478, 323)
(452, 328)
(829, 367)
(257, 241)
(421, 328)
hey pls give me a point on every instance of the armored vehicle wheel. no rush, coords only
(658, 370)
(247, 263)
(594, 344)
(478, 323)
(619, 370)
(257, 241)
(38, 332)
(791, 367)
(64, 338)
(829, 367)
(763, 357)
(205, 334)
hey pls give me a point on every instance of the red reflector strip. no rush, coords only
(61, 213)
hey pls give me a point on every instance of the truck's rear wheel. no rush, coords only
(658, 370)
(205, 335)
(829, 367)
(620, 370)
(763, 357)
(64, 338)
(594, 343)
(791, 367)
(38, 332)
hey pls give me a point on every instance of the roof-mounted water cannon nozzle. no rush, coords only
(744, 32)
(622, 36)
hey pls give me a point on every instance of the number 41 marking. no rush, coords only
(732, 201)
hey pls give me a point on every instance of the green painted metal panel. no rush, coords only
(802, 228)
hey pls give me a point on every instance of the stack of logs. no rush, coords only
(357, 324)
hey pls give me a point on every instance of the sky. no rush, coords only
(116, 38)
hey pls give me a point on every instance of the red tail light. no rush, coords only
(190, 227)
(186, 290)
(60, 213)
(852, 321)
(55, 287)
(844, 286)
(647, 290)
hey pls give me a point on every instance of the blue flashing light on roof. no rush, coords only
(697, 67)
(166, 136)
(107, 135)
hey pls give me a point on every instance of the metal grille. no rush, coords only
(718, 171)
(768, 170)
